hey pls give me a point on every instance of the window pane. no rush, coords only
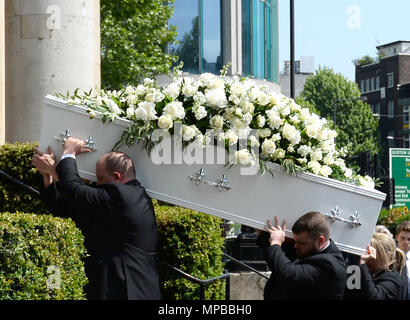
(258, 39)
(246, 37)
(212, 56)
(186, 20)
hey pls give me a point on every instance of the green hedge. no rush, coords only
(41, 258)
(15, 160)
(193, 242)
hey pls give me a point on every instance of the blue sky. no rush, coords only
(335, 32)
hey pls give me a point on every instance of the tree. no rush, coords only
(134, 37)
(356, 125)
(365, 60)
(188, 49)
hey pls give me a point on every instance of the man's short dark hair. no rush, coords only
(314, 223)
(404, 226)
(121, 162)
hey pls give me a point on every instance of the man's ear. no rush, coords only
(322, 240)
(117, 176)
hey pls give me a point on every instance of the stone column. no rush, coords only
(51, 46)
(232, 35)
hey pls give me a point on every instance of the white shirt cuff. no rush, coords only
(67, 155)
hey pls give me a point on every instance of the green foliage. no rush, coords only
(356, 126)
(134, 36)
(391, 218)
(193, 242)
(32, 247)
(365, 60)
(15, 160)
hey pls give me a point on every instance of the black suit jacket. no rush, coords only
(321, 276)
(382, 285)
(120, 231)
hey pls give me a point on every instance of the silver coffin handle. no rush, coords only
(334, 215)
(64, 135)
(221, 184)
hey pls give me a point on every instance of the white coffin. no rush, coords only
(251, 200)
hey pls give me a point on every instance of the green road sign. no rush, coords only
(400, 172)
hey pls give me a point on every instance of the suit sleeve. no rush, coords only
(387, 289)
(83, 195)
(54, 201)
(289, 271)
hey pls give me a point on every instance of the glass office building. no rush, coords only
(212, 33)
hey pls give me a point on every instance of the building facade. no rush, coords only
(213, 33)
(383, 84)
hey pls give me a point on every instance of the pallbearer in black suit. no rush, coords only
(116, 217)
(319, 272)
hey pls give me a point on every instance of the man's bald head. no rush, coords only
(115, 167)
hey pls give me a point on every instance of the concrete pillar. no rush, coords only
(2, 75)
(51, 46)
(232, 35)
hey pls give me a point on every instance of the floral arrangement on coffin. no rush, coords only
(223, 108)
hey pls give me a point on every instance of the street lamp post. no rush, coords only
(344, 99)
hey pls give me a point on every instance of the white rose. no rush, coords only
(248, 107)
(189, 90)
(199, 98)
(279, 154)
(312, 131)
(304, 150)
(175, 110)
(275, 121)
(314, 166)
(130, 112)
(231, 136)
(243, 157)
(130, 90)
(316, 155)
(148, 81)
(325, 171)
(254, 94)
(132, 99)
(247, 119)
(154, 95)
(253, 141)
(216, 98)
(216, 83)
(366, 182)
(165, 122)
(112, 106)
(276, 137)
(238, 89)
(200, 112)
(216, 122)
(188, 132)
(329, 159)
(268, 147)
(140, 90)
(263, 99)
(305, 114)
(173, 90)
(348, 173)
(266, 132)
(291, 133)
(150, 112)
(294, 106)
(261, 121)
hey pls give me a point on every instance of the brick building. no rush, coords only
(386, 85)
